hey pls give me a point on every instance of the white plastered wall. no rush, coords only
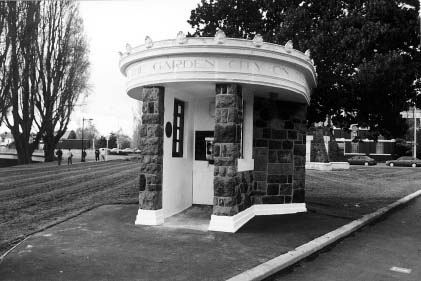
(248, 124)
(177, 185)
(247, 162)
(204, 120)
(177, 172)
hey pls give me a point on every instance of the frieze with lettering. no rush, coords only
(213, 64)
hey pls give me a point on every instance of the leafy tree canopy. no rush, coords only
(366, 51)
(72, 135)
(90, 132)
(114, 140)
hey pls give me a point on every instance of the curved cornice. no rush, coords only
(213, 59)
(207, 45)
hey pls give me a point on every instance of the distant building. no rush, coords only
(412, 114)
(66, 143)
(409, 114)
(359, 140)
(6, 139)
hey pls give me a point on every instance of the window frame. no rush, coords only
(178, 129)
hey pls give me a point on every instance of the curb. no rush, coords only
(281, 262)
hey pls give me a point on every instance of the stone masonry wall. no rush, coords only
(335, 154)
(231, 188)
(279, 149)
(151, 156)
(245, 179)
(318, 151)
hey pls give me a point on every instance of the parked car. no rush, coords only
(361, 160)
(116, 151)
(405, 161)
(128, 150)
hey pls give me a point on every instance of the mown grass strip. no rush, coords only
(13, 181)
(26, 189)
(52, 167)
(39, 201)
(21, 218)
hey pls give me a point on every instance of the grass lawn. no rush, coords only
(36, 196)
(360, 190)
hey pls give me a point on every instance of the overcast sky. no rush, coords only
(109, 25)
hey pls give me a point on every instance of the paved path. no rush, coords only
(104, 244)
(370, 254)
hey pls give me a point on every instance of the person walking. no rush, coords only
(96, 155)
(59, 154)
(69, 157)
(83, 155)
(103, 154)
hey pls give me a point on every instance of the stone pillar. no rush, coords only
(151, 155)
(318, 151)
(228, 120)
(279, 151)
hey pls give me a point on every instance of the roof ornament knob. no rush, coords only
(258, 40)
(289, 46)
(148, 42)
(181, 37)
(308, 53)
(220, 36)
(128, 48)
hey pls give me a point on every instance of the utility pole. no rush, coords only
(415, 130)
(416, 94)
(82, 158)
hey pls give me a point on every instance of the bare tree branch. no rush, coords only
(43, 71)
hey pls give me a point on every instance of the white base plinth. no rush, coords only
(327, 166)
(340, 165)
(150, 217)
(245, 165)
(319, 166)
(233, 223)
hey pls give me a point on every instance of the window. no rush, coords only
(200, 144)
(178, 124)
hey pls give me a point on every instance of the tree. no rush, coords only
(20, 72)
(364, 51)
(90, 132)
(4, 52)
(124, 141)
(72, 135)
(137, 121)
(119, 140)
(44, 73)
(112, 141)
(63, 61)
(101, 142)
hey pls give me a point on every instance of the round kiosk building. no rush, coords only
(223, 124)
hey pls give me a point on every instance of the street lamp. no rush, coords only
(416, 94)
(82, 158)
(414, 150)
(106, 151)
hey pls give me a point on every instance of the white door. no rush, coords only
(202, 183)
